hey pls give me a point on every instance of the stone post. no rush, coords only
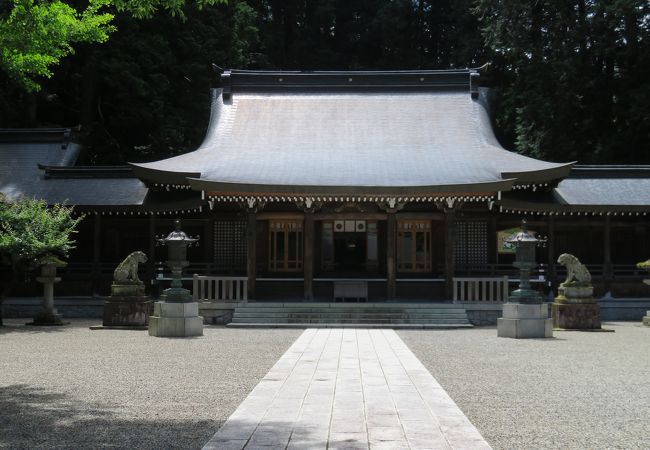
(48, 315)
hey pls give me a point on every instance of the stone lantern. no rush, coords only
(176, 315)
(525, 244)
(177, 243)
(524, 314)
(48, 314)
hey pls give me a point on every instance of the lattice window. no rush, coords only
(230, 246)
(471, 246)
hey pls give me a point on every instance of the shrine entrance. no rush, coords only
(350, 252)
(349, 248)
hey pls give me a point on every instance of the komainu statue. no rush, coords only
(127, 271)
(575, 270)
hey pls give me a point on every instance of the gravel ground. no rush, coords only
(70, 387)
(580, 390)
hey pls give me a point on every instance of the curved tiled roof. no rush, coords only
(277, 132)
(590, 189)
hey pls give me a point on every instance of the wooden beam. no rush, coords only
(607, 252)
(269, 215)
(415, 215)
(251, 250)
(391, 237)
(350, 216)
(308, 255)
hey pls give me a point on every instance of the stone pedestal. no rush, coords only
(522, 321)
(175, 320)
(646, 319)
(575, 308)
(569, 316)
(48, 315)
(127, 307)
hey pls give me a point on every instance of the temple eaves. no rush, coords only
(404, 133)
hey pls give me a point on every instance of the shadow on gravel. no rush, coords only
(32, 418)
(31, 329)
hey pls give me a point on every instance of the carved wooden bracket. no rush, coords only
(252, 205)
(391, 206)
(449, 205)
(309, 205)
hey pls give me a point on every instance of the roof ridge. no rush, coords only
(456, 79)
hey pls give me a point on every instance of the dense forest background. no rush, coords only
(570, 80)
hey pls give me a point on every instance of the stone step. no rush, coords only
(348, 310)
(406, 326)
(299, 314)
(351, 320)
(373, 305)
(345, 315)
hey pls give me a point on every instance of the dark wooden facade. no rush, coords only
(237, 241)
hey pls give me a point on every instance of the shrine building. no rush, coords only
(309, 180)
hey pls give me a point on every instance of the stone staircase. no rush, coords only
(349, 315)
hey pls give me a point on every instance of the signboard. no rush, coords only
(504, 247)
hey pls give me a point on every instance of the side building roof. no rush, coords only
(350, 133)
(594, 190)
(40, 163)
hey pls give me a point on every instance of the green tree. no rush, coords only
(31, 234)
(35, 35)
(569, 77)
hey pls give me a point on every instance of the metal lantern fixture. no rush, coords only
(525, 244)
(177, 243)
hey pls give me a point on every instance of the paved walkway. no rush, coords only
(353, 389)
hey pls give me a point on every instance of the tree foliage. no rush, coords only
(36, 35)
(32, 234)
(570, 77)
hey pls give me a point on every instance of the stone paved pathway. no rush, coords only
(352, 389)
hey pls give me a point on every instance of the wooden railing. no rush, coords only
(481, 290)
(219, 289)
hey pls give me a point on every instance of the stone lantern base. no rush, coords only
(48, 318)
(524, 321)
(175, 320)
(646, 319)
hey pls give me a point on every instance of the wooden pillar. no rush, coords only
(552, 274)
(251, 250)
(639, 238)
(206, 241)
(391, 237)
(151, 263)
(450, 259)
(97, 253)
(308, 255)
(607, 252)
